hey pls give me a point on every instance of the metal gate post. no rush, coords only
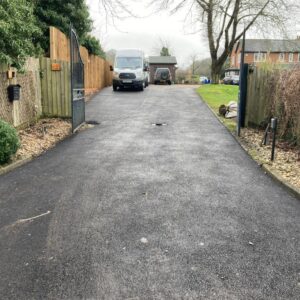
(242, 101)
(77, 82)
(71, 70)
(243, 95)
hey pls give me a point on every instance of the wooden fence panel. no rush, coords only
(59, 45)
(97, 73)
(257, 97)
(56, 88)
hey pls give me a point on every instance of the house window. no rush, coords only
(291, 57)
(259, 57)
(239, 58)
(281, 57)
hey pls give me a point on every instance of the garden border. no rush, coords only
(268, 170)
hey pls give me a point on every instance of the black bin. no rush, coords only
(14, 92)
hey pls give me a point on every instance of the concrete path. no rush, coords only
(128, 210)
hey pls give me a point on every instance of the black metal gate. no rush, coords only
(77, 82)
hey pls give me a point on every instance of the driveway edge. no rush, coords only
(15, 165)
(276, 176)
(21, 162)
(267, 169)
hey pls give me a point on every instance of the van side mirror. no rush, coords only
(111, 68)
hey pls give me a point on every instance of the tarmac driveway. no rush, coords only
(129, 210)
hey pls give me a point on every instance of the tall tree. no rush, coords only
(60, 14)
(163, 47)
(18, 32)
(165, 51)
(225, 21)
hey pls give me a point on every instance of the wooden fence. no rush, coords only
(274, 92)
(56, 87)
(257, 100)
(55, 75)
(96, 70)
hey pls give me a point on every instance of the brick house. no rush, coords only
(262, 50)
(162, 62)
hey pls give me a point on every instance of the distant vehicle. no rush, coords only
(162, 75)
(130, 70)
(232, 76)
(203, 79)
(236, 79)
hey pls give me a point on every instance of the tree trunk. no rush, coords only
(216, 68)
(215, 78)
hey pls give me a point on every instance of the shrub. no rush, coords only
(9, 141)
(283, 96)
(18, 32)
(93, 46)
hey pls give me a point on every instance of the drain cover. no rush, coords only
(92, 122)
(159, 124)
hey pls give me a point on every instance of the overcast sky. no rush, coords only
(146, 32)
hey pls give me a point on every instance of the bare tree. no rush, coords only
(182, 75)
(225, 21)
(193, 59)
(200, 67)
(112, 11)
(115, 9)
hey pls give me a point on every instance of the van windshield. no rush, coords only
(129, 63)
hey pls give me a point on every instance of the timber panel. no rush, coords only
(56, 88)
(257, 99)
(96, 70)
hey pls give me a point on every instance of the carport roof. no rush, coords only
(162, 60)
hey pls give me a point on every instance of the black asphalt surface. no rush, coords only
(128, 210)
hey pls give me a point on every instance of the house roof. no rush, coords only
(162, 60)
(268, 45)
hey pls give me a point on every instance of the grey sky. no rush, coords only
(146, 32)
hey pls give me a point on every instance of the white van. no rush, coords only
(130, 70)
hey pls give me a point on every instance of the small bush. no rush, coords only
(9, 141)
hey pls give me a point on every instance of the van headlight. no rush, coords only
(139, 74)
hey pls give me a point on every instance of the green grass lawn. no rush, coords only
(217, 94)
